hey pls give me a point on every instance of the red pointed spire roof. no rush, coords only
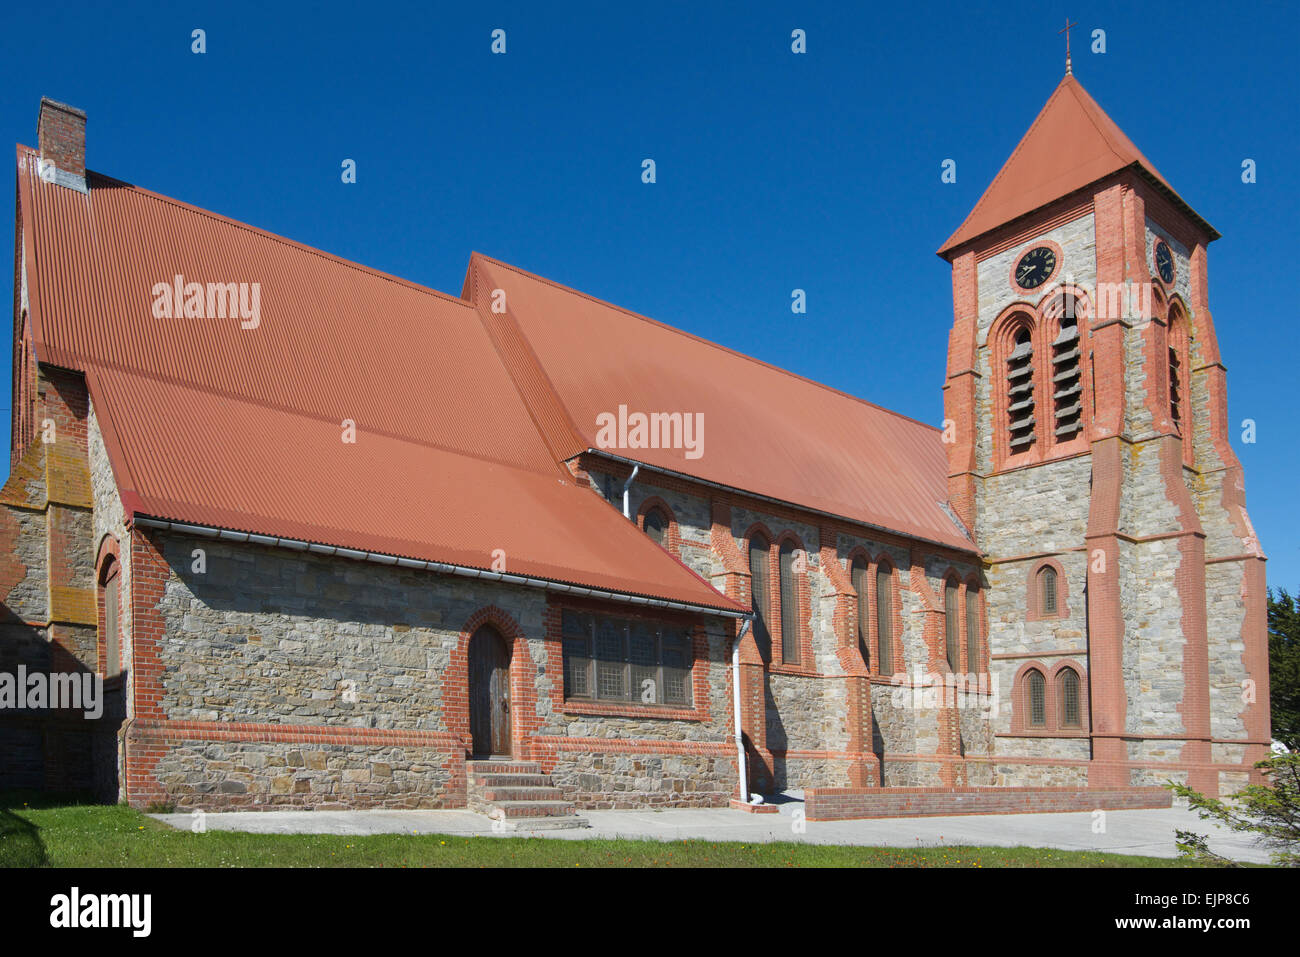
(1071, 143)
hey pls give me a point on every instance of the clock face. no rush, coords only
(1164, 261)
(1035, 267)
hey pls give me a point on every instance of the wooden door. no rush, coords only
(489, 692)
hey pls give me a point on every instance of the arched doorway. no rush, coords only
(489, 693)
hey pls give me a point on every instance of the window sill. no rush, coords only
(1048, 733)
(620, 710)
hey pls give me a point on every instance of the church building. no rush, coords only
(333, 539)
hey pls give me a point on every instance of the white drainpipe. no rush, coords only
(735, 694)
(627, 511)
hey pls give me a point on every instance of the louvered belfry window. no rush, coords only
(1067, 381)
(1047, 578)
(885, 618)
(858, 578)
(950, 625)
(789, 606)
(972, 628)
(1175, 389)
(1036, 692)
(625, 660)
(758, 586)
(1069, 681)
(1020, 393)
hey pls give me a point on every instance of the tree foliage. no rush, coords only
(1284, 666)
(1271, 811)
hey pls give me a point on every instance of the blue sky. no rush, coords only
(775, 171)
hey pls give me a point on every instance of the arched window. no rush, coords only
(885, 617)
(1035, 699)
(1020, 393)
(972, 627)
(1179, 381)
(858, 578)
(759, 583)
(1067, 382)
(656, 526)
(110, 596)
(1047, 590)
(951, 624)
(1067, 682)
(789, 604)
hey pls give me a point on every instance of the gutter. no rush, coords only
(735, 695)
(443, 568)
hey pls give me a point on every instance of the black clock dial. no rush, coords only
(1164, 261)
(1035, 266)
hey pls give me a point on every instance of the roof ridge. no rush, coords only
(267, 234)
(707, 342)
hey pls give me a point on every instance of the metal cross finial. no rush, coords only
(1066, 31)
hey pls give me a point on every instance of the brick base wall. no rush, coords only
(838, 804)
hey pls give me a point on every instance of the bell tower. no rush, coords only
(1091, 458)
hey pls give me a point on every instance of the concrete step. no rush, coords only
(502, 767)
(495, 795)
(525, 825)
(511, 810)
(509, 780)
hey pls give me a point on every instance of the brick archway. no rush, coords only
(456, 691)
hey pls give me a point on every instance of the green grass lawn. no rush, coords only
(37, 832)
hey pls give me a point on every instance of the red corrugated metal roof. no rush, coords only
(766, 430)
(1071, 144)
(213, 424)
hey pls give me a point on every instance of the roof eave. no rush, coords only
(950, 249)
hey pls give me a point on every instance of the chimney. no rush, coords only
(61, 130)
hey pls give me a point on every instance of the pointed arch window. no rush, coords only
(1068, 696)
(885, 617)
(759, 585)
(789, 604)
(110, 597)
(972, 627)
(656, 526)
(1036, 699)
(951, 624)
(1047, 590)
(1020, 392)
(858, 578)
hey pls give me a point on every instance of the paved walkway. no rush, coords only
(1149, 833)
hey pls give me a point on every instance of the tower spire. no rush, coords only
(1066, 31)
